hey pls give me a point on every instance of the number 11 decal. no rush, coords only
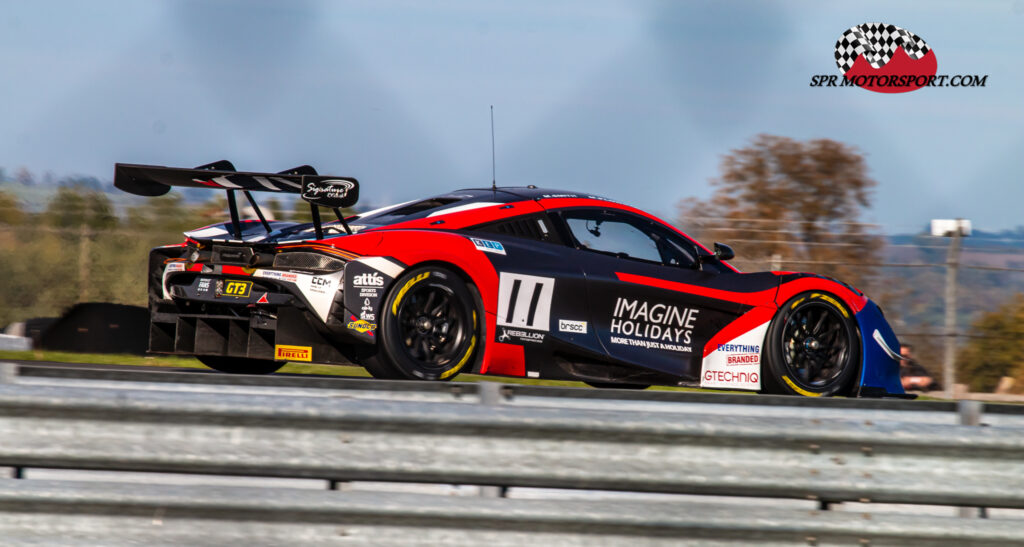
(524, 301)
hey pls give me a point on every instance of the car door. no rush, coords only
(644, 288)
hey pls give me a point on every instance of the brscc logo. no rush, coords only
(898, 59)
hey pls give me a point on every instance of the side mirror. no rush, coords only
(724, 252)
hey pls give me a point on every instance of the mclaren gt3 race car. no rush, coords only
(520, 281)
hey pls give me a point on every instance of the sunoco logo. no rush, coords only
(368, 280)
(889, 59)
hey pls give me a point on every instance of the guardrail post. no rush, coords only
(970, 414)
(490, 395)
(8, 372)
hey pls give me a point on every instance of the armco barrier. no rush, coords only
(829, 460)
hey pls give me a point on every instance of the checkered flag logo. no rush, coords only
(877, 42)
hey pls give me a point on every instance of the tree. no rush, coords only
(10, 210)
(76, 206)
(273, 210)
(995, 349)
(25, 177)
(800, 200)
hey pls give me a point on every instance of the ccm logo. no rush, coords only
(368, 280)
(575, 327)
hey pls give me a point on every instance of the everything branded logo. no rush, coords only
(888, 59)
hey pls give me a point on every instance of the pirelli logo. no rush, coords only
(293, 353)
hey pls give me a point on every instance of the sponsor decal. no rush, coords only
(330, 192)
(405, 288)
(735, 364)
(366, 312)
(372, 279)
(655, 326)
(362, 326)
(293, 353)
(575, 327)
(524, 301)
(729, 378)
(239, 289)
(886, 58)
(283, 276)
(488, 246)
(203, 286)
(741, 354)
(511, 336)
(320, 284)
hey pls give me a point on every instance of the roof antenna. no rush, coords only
(494, 180)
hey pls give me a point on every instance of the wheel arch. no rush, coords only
(837, 299)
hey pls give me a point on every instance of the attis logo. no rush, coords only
(887, 52)
(372, 279)
(888, 59)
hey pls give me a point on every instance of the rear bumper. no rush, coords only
(284, 336)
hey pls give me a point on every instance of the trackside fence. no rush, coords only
(828, 460)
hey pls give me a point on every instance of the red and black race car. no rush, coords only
(521, 281)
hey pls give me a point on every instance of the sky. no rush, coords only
(635, 100)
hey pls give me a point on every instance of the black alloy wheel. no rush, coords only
(813, 347)
(430, 327)
(240, 365)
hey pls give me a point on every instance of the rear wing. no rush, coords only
(325, 191)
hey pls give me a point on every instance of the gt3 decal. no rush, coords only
(524, 301)
(239, 289)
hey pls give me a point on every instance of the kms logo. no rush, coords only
(372, 279)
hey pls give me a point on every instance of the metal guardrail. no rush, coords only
(343, 439)
(996, 414)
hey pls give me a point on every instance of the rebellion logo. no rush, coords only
(885, 58)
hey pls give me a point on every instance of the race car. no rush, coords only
(509, 281)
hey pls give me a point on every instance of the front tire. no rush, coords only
(430, 327)
(237, 365)
(812, 347)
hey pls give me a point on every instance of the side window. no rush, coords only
(534, 227)
(614, 234)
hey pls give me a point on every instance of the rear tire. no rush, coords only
(430, 329)
(239, 365)
(812, 348)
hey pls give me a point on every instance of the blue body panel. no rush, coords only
(879, 370)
